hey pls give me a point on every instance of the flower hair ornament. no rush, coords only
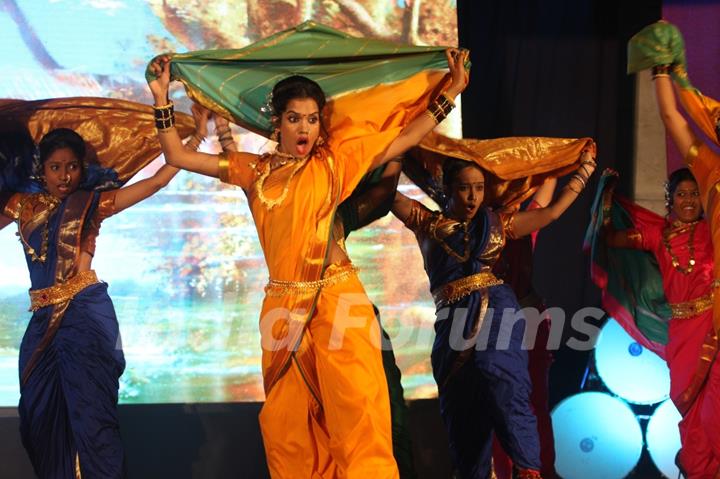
(668, 199)
(267, 107)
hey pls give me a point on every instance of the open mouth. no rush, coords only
(302, 145)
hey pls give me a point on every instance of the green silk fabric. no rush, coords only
(630, 279)
(237, 83)
(659, 43)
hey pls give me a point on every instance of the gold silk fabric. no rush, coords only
(514, 166)
(120, 134)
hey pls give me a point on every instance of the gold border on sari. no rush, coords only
(60, 293)
(689, 309)
(454, 291)
(338, 273)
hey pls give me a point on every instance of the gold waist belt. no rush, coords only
(60, 293)
(692, 308)
(333, 275)
(456, 290)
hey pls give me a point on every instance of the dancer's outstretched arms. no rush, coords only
(416, 130)
(176, 154)
(129, 195)
(674, 122)
(526, 222)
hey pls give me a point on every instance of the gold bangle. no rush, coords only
(579, 177)
(569, 187)
(429, 113)
(660, 75)
(448, 99)
(170, 105)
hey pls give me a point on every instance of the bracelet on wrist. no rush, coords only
(164, 116)
(661, 71)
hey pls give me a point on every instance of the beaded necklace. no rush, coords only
(51, 202)
(691, 250)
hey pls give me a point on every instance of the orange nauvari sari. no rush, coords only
(327, 409)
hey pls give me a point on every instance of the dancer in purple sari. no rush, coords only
(71, 356)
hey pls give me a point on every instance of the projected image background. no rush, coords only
(185, 269)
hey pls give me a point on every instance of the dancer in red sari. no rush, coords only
(688, 248)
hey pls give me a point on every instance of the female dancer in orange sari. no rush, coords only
(326, 412)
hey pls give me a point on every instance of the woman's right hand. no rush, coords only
(456, 59)
(160, 86)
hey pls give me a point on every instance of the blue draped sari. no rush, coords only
(70, 357)
(482, 376)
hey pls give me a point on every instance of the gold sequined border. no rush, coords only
(688, 309)
(277, 288)
(60, 293)
(456, 290)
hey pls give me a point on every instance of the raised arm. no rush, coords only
(674, 122)
(416, 130)
(129, 195)
(544, 194)
(526, 222)
(176, 154)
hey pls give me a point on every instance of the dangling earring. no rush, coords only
(320, 141)
(275, 135)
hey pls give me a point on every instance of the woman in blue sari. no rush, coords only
(478, 361)
(71, 356)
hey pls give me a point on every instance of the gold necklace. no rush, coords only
(445, 246)
(691, 250)
(51, 202)
(260, 183)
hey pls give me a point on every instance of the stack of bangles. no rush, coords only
(661, 71)
(582, 175)
(225, 137)
(440, 108)
(194, 142)
(164, 116)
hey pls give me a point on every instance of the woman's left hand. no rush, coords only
(456, 59)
